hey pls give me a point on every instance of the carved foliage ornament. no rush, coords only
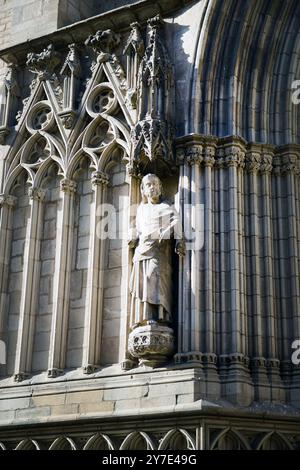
(43, 63)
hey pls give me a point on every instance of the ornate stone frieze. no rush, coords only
(234, 151)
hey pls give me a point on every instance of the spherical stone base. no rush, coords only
(152, 344)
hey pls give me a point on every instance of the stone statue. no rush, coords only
(150, 284)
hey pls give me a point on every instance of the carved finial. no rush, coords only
(8, 93)
(72, 63)
(135, 40)
(103, 43)
(10, 80)
(44, 63)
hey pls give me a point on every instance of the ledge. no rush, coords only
(118, 19)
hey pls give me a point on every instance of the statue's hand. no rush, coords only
(133, 242)
(180, 248)
(132, 238)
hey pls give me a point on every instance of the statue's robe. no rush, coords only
(150, 283)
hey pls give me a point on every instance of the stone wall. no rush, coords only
(41, 342)
(21, 218)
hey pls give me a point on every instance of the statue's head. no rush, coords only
(151, 188)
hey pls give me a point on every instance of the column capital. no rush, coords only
(36, 194)
(99, 178)
(266, 165)
(194, 154)
(253, 161)
(68, 186)
(7, 200)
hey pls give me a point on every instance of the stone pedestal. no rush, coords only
(152, 344)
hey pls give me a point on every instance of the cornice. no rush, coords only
(118, 19)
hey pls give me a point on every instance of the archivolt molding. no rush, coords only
(247, 59)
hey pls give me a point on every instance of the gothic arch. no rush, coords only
(28, 444)
(99, 442)
(241, 67)
(229, 439)
(138, 440)
(272, 441)
(177, 439)
(63, 443)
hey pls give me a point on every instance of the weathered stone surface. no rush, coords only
(82, 125)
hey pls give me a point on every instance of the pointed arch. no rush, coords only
(272, 441)
(229, 439)
(138, 440)
(99, 442)
(14, 175)
(28, 444)
(177, 439)
(63, 443)
(245, 62)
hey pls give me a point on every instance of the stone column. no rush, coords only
(7, 204)
(280, 268)
(61, 288)
(291, 171)
(30, 285)
(256, 307)
(195, 158)
(184, 290)
(237, 382)
(209, 356)
(271, 341)
(134, 176)
(94, 306)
